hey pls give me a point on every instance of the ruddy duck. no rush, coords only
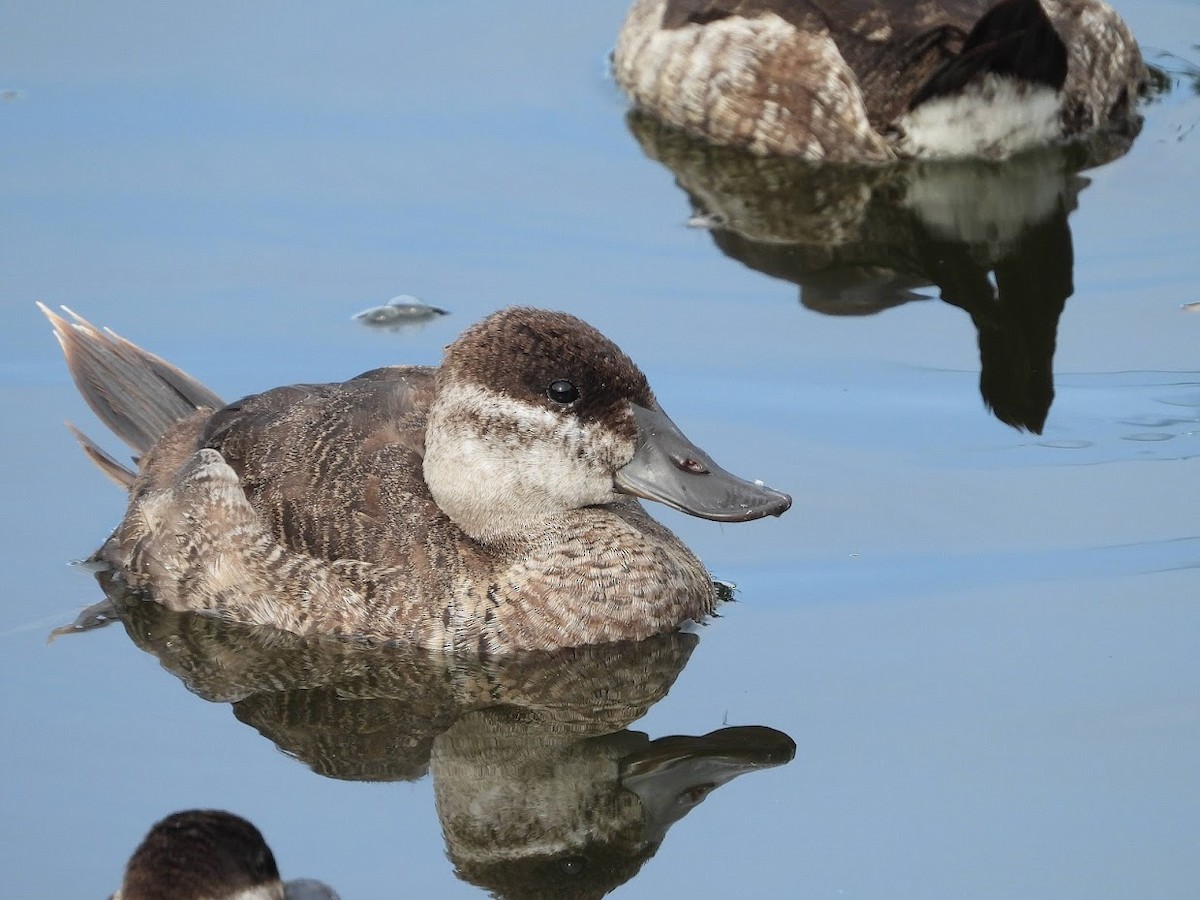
(210, 854)
(876, 80)
(485, 505)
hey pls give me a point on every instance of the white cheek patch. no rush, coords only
(496, 464)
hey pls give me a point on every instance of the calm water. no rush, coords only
(981, 639)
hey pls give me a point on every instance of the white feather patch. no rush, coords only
(994, 117)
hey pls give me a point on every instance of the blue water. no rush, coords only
(982, 640)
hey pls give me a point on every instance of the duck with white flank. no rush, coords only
(485, 505)
(877, 80)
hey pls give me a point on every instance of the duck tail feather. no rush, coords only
(1014, 38)
(113, 470)
(132, 391)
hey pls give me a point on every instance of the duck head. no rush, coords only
(210, 854)
(537, 413)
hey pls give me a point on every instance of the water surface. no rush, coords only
(981, 639)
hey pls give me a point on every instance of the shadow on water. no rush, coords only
(541, 788)
(993, 239)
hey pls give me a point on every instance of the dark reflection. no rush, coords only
(541, 788)
(1173, 72)
(991, 238)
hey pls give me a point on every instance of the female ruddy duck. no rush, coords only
(877, 80)
(484, 505)
(210, 854)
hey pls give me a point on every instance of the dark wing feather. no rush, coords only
(334, 469)
(1015, 38)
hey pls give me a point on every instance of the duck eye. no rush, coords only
(572, 865)
(562, 391)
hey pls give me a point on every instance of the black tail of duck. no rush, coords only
(877, 80)
(1014, 39)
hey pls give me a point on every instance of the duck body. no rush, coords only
(484, 506)
(867, 81)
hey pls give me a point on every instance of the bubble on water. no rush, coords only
(1179, 400)
(1151, 421)
(1064, 444)
(401, 312)
(1147, 436)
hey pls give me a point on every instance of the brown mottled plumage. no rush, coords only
(479, 506)
(871, 81)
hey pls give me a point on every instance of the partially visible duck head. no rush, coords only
(210, 854)
(538, 413)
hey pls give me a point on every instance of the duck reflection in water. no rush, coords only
(992, 238)
(542, 790)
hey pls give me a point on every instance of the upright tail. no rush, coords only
(1014, 38)
(135, 393)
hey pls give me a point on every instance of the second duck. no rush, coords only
(870, 81)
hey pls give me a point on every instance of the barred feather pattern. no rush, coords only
(199, 545)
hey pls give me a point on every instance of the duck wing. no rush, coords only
(835, 16)
(1014, 38)
(892, 48)
(334, 470)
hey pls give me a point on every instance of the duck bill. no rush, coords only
(674, 774)
(669, 468)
